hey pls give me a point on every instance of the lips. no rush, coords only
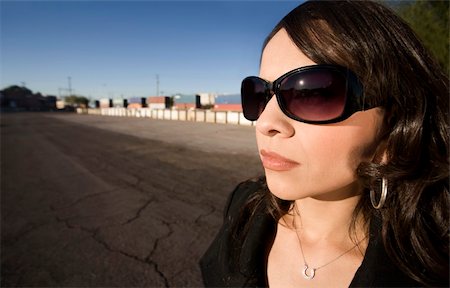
(276, 162)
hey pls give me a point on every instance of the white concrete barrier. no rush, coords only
(166, 114)
(190, 115)
(196, 115)
(199, 115)
(221, 117)
(182, 115)
(174, 114)
(233, 117)
(160, 114)
(210, 116)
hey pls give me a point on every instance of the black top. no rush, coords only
(231, 262)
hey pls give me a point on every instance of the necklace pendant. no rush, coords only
(312, 272)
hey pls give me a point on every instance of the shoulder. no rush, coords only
(377, 268)
(242, 194)
(231, 261)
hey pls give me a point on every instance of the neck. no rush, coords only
(324, 219)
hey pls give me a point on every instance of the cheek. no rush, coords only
(338, 150)
(344, 145)
(328, 166)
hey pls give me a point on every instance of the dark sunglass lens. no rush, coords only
(253, 97)
(317, 95)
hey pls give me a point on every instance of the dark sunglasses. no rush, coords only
(316, 94)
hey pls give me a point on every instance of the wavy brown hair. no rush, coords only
(399, 75)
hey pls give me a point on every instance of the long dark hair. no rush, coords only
(400, 75)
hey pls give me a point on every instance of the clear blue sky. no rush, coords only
(116, 48)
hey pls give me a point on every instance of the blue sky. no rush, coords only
(116, 48)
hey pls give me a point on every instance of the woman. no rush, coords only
(352, 130)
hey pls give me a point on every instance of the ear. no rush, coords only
(381, 154)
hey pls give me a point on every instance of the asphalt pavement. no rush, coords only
(100, 201)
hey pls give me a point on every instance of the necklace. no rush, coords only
(310, 272)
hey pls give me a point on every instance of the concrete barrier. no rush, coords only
(195, 115)
(182, 115)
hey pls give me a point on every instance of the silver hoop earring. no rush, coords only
(384, 191)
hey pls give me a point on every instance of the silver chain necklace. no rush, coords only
(310, 272)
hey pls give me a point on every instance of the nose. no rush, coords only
(273, 122)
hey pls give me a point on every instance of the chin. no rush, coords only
(281, 189)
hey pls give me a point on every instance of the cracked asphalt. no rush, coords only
(97, 201)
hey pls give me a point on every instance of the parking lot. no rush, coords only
(97, 201)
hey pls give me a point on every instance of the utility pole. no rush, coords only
(157, 85)
(70, 85)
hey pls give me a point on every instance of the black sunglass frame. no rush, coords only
(354, 98)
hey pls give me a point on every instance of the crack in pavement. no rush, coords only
(147, 261)
(26, 231)
(212, 210)
(137, 185)
(53, 208)
(70, 226)
(155, 246)
(138, 213)
(123, 179)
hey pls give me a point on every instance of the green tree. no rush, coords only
(430, 21)
(77, 101)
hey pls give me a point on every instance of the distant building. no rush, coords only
(50, 102)
(191, 101)
(183, 101)
(137, 102)
(105, 103)
(228, 102)
(16, 98)
(60, 104)
(159, 102)
(120, 103)
(207, 100)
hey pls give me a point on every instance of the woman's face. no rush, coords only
(309, 160)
